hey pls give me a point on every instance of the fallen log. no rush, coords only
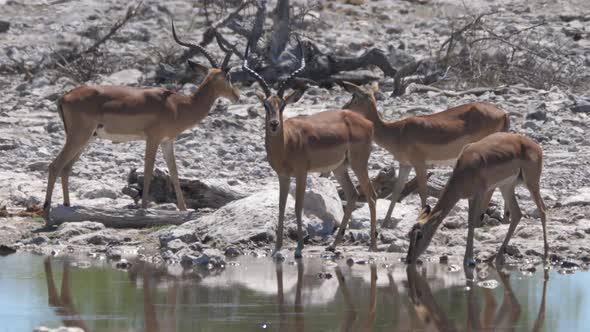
(197, 194)
(120, 218)
(384, 181)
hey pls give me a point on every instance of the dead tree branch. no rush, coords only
(132, 11)
(280, 30)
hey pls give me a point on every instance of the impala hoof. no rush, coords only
(469, 262)
(298, 253)
(277, 255)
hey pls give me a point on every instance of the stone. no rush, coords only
(123, 77)
(175, 245)
(254, 218)
(540, 114)
(6, 250)
(102, 237)
(185, 235)
(455, 223)
(232, 252)
(490, 284)
(71, 229)
(322, 201)
(38, 166)
(4, 26)
(581, 198)
(37, 240)
(59, 329)
(398, 246)
(209, 258)
(123, 264)
(99, 192)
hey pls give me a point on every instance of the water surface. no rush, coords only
(254, 294)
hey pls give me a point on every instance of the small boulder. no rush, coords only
(71, 229)
(581, 198)
(175, 245)
(183, 234)
(4, 26)
(124, 77)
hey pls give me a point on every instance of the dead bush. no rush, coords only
(483, 51)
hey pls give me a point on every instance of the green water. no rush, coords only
(255, 294)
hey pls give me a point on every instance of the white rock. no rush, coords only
(582, 197)
(123, 77)
(405, 213)
(255, 217)
(59, 329)
(98, 192)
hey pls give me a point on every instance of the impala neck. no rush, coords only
(200, 102)
(275, 145)
(369, 110)
(443, 207)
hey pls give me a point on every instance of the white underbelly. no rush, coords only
(327, 168)
(118, 138)
(448, 162)
(505, 181)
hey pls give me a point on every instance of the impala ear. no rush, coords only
(197, 67)
(294, 96)
(350, 87)
(375, 87)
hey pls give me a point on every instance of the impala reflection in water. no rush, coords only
(253, 294)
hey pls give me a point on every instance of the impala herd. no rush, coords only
(473, 137)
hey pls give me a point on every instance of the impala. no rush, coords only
(123, 114)
(322, 142)
(500, 160)
(421, 141)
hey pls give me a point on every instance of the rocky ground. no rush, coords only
(228, 145)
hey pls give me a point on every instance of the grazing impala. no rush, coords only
(122, 114)
(420, 141)
(322, 142)
(499, 160)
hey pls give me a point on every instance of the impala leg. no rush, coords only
(532, 184)
(515, 216)
(485, 202)
(75, 142)
(398, 186)
(422, 177)
(301, 182)
(168, 152)
(361, 172)
(284, 184)
(52, 296)
(67, 170)
(151, 147)
(341, 175)
(474, 209)
(65, 178)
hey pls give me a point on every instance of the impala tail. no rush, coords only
(506, 123)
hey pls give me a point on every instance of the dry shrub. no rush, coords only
(482, 51)
(84, 68)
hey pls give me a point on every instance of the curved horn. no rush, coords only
(199, 48)
(228, 52)
(254, 74)
(285, 84)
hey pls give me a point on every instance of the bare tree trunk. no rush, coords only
(280, 30)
